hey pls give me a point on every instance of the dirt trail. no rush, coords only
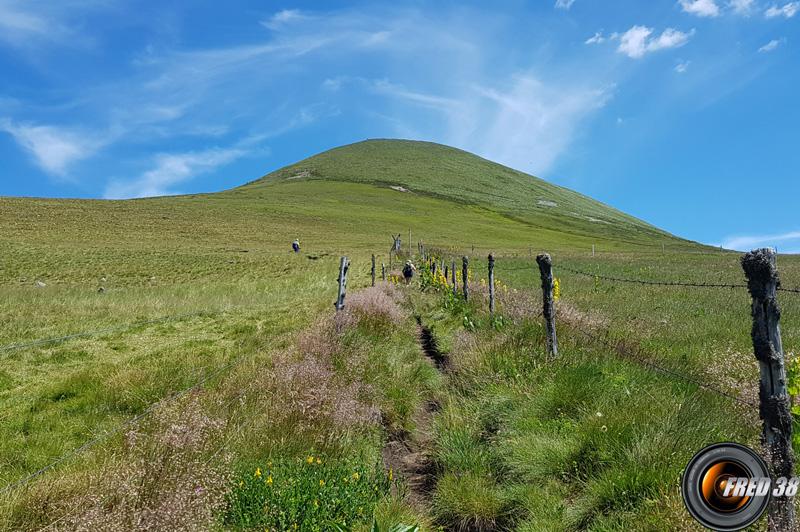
(409, 454)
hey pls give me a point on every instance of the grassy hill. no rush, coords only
(436, 171)
(515, 440)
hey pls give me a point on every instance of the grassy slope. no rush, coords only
(226, 254)
(440, 171)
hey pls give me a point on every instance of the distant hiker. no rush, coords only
(296, 245)
(408, 271)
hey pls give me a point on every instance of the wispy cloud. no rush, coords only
(283, 18)
(440, 103)
(742, 7)
(772, 45)
(787, 10)
(564, 4)
(171, 169)
(701, 8)
(682, 66)
(597, 38)
(637, 41)
(787, 242)
(53, 148)
(528, 124)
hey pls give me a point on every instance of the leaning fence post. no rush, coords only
(344, 265)
(548, 309)
(453, 275)
(373, 270)
(491, 284)
(464, 274)
(383, 271)
(760, 267)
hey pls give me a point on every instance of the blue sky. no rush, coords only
(683, 113)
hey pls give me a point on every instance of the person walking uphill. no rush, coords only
(296, 245)
(408, 271)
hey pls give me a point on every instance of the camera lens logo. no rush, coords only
(726, 487)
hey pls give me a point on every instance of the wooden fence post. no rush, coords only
(760, 267)
(548, 309)
(453, 275)
(344, 265)
(383, 271)
(491, 285)
(464, 274)
(373, 270)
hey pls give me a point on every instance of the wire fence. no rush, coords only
(122, 426)
(110, 330)
(625, 349)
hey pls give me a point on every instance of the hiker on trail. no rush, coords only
(296, 245)
(408, 271)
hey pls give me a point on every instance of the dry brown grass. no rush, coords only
(167, 478)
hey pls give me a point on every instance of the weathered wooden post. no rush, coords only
(548, 310)
(592, 250)
(383, 271)
(344, 265)
(491, 285)
(760, 267)
(453, 274)
(372, 271)
(446, 273)
(464, 274)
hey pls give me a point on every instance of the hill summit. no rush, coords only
(454, 175)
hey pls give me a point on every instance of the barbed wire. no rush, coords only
(637, 356)
(119, 428)
(96, 332)
(649, 282)
(789, 290)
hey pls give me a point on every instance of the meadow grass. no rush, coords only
(517, 442)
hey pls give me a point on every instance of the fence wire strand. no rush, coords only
(119, 428)
(97, 332)
(637, 356)
(649, 282)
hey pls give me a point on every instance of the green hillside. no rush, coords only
(437, 171)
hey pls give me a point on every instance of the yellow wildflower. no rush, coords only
(258, 472)
(316, 503)
(356, 476)
(310, 460)
(319, 460)
(391, 474)
(556, 288)
(321, 483)
(269, 480)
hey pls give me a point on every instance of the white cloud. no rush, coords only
(527, 124)
(597, 38)
(789, 241)
(742, 7)
(772, 45)
(681, 67)
(53, 148)
(787, 10)
(172, 169)
(564, 4)
(398, 91)
(283, 18)
(701, 8)
(637, 41)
